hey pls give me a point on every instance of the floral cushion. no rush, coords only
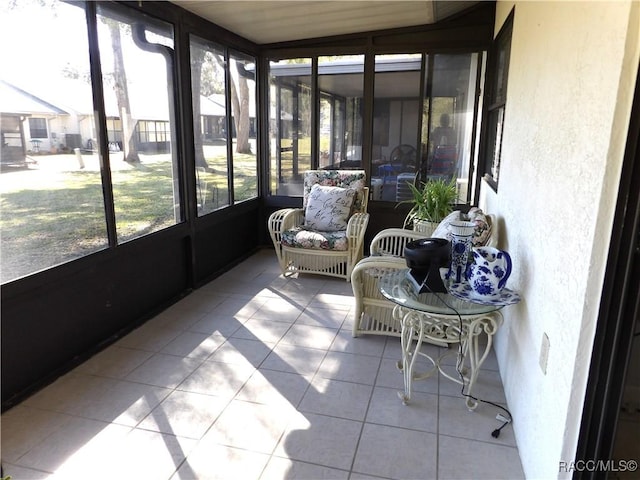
(355, 179)
(481, 233)
(328, 208)
(303, 238)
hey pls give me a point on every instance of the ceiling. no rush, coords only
(280, 21)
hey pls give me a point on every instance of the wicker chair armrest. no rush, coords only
(357, 224)
(365, 200)
(356, 229)
(391, 241)
(285, 219)
(385, 263)
(365, 275)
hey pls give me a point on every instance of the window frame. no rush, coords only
(149, 25)
(496, 103)
(426, 70)
(38, 128)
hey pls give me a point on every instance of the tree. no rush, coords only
(212, 80)
(240, 107)
(129, 144)
(197, 59)
(74, 73)
(208, 73)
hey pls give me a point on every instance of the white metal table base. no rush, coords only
(463, 329)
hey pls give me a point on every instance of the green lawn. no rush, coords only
(54, 213)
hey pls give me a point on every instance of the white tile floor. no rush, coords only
(255, 376)
(626, 444)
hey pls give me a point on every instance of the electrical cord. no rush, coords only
(460, 363)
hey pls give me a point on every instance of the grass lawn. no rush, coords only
(54, 212)
(212, 185)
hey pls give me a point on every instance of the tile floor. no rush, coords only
(626, 446)
(255, 376)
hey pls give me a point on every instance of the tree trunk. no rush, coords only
(196, 74)
(240, 103)
(129, 144)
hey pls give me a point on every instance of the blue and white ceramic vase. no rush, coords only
(461, 242)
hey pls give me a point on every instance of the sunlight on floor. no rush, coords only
(255, 376)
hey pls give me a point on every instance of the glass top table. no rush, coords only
(397, 287)
(440, 318)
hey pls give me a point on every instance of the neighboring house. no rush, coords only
(12, 141)
(29, 124)
(45, 127)
(214, 115)
(36, 126)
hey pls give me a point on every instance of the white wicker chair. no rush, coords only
(323, 258)
(373, 313)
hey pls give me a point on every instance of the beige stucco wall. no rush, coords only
(571, 79)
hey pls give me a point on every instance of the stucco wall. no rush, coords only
(571, 78)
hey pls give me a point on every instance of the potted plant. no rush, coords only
(432, 202)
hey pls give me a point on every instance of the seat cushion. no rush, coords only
(328, 208)
(301, 237)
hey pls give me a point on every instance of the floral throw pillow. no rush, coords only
(355, 179)
(328, 208)
(482, 230)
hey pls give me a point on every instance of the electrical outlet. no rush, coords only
(544, 353)
(502, 418)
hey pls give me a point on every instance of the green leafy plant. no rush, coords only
(433, 201)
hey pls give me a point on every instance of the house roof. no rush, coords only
(71, 96)
(65, 96)
(215, 105)
(17, 101)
